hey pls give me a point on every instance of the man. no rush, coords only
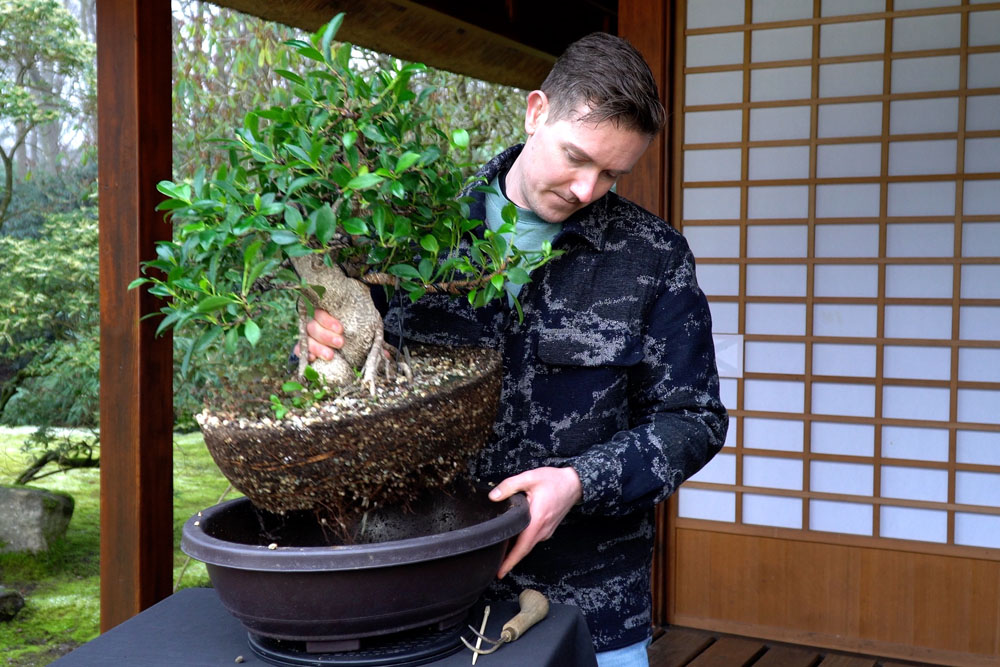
(610, 393)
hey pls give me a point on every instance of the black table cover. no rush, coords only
(192, 629)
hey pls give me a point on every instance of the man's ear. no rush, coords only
(537, 111)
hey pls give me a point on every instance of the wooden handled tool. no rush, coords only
(533, 608)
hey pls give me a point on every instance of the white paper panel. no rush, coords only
(776, 280)
(772, 511)
(713, 241)
(933, 322)
(847, 240)
(850, 79)
(779, 434)
(979, 364)
(916, 403)
(844, 439)
(917, 363)
(851, 39)
(979, 323)
(982, 112)
(982, 155)
(777, 241)
(779, 201)
(710, 50)
(845, 7)
(981, 281)
(713, 88)
(920, 444)
(788, 319)
(781, 44)
(923, 157)
(977, 530)
(981, 447)
(710, 13)
(732, 435)
(706, 504)
(915, 483)
(979, 406)
(722, 164)
(909, 523)
(779, 123)
(718, 279)
(846, 280)
(982, 197)
(766, 11)
(843, 360)
(984, 28)
(773, 395)
(977, 488)
(919, 75)
(920, 33)
(728, 392)
(782, 83)
(847, 201)
(772, 472)
(984, 70)
(857, 119)
(725, 316)
(853, 479)
(920, 240)
(729, 354)
(720, 470)
(702, 127)
(918, 281)
(918, 199)
(981, 239)
(837, 517)
(923, 116)
(851, 400)
(764, 357)
(900, 5)
(779, 162)
(848, 160)
(711, 203)
(845, 320)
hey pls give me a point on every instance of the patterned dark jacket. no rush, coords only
(612, 371)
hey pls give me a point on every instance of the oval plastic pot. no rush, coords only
(406, 569)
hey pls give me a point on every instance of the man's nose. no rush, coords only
(583, 187)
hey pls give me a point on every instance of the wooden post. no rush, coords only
(134, 153)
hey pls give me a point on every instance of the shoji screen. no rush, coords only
(837, 173)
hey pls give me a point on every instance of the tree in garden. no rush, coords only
(45, 68)
(346, 184)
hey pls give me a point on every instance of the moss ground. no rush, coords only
(61, 586)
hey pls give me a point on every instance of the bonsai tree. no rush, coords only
(343, 185)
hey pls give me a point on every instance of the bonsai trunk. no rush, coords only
(350, 302)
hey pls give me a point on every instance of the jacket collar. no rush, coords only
(589, 224)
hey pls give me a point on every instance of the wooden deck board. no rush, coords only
(784, 656)
(847, 661)
(677, 647)
(730, 652)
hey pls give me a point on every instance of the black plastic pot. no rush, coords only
(411, 569)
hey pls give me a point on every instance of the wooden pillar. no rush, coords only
(647, 25)
(134, 153)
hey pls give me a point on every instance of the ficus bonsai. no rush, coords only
(344, 184)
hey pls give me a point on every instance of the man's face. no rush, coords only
(566, 164)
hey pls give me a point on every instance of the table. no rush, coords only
(193, 629)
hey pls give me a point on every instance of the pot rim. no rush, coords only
(198, 544)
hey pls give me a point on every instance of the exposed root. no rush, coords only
(371, 363)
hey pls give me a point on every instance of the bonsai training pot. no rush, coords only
(426, 565)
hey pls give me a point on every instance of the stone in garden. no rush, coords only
(32, 519)
(10, 603)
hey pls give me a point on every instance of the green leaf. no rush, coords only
(497, 282)
(355, 227)
(284, 237)
(311, 374)
(406, 160)
(362, 181)
(349, 139)
(326, 224)
(430, 244)
(518, 276)
(460, 138)
(212, 303)
(373, 133)
(291, 386)
(251, 332)
(404, 271)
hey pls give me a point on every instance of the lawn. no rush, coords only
(61, 587)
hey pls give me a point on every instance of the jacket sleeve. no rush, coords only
(676, 420)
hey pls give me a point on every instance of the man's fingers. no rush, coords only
(524, 544)
(328, 321)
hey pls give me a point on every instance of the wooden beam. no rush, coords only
(134, 153)
(415, 32)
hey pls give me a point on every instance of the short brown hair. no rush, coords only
(612, 78)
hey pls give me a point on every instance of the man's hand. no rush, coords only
(551, 492)
(325, 333)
